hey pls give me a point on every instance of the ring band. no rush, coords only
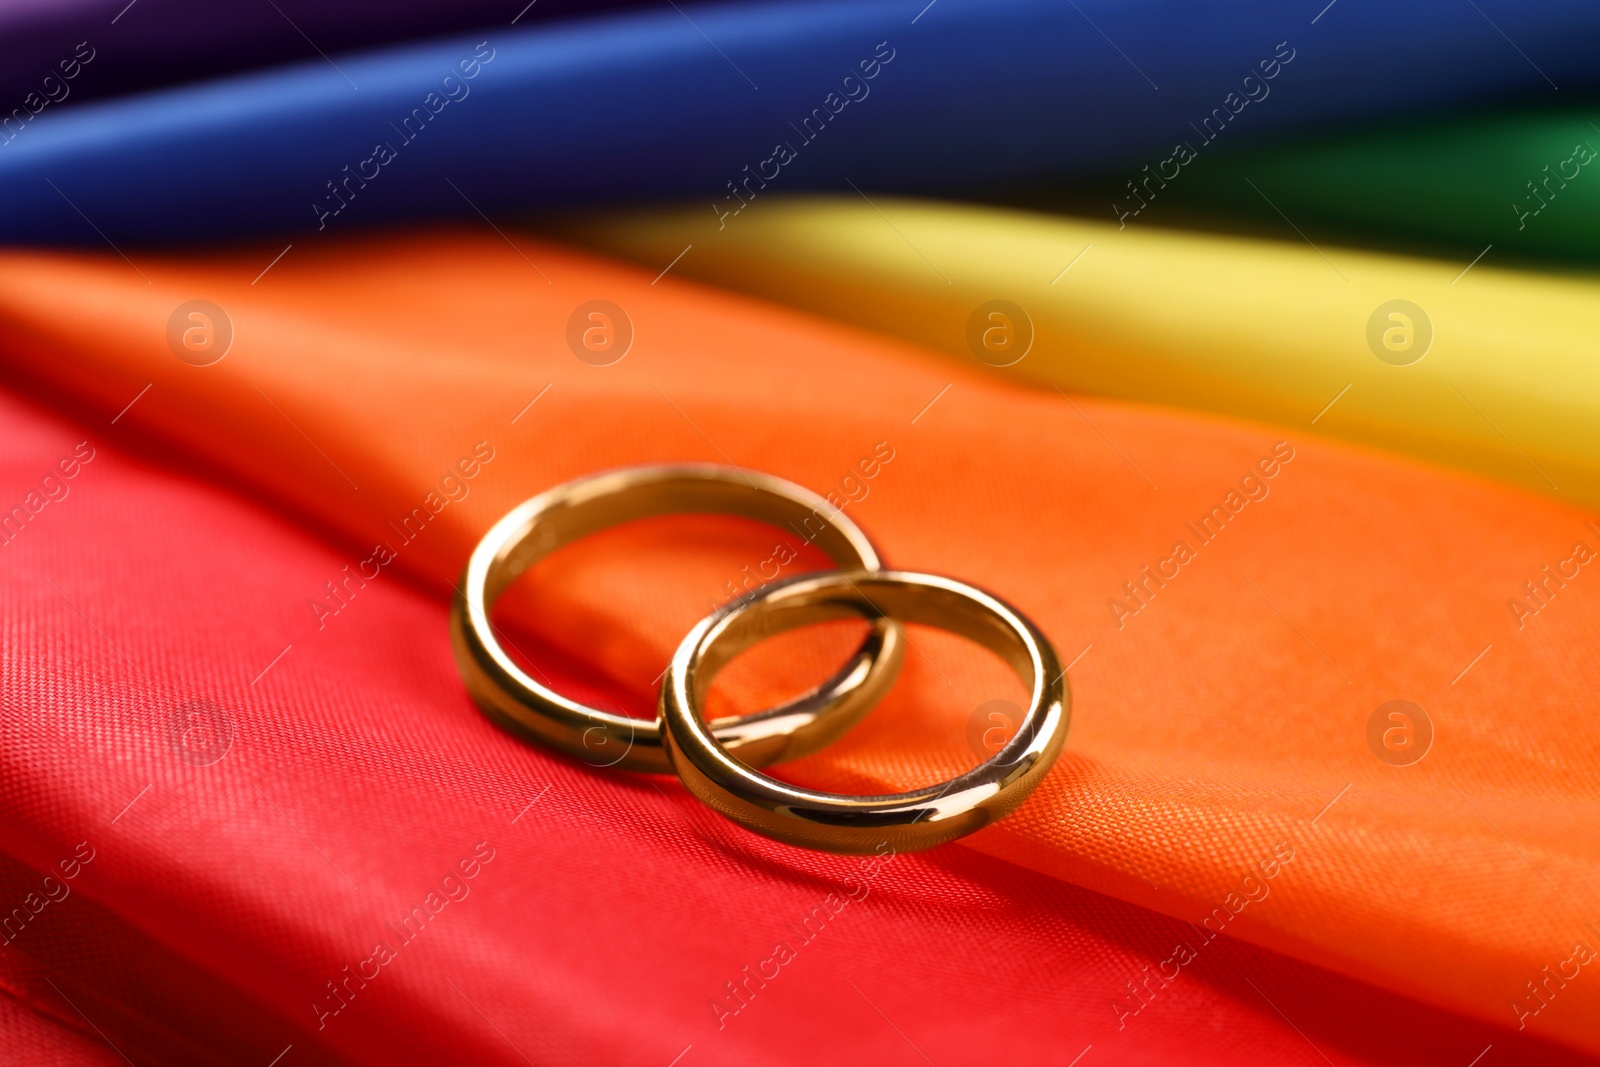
(836, 822)
(568, 512)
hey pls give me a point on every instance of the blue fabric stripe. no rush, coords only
(638, 105)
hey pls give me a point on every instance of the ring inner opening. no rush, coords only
(955, 704)
(598, 619)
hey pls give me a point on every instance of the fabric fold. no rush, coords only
(119, 48)
(1511, 185)
(322, 853)
(1234, 633)
(731, 103)
(1479, 368)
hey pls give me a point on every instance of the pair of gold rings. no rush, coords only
(718, 760)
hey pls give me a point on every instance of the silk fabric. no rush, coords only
(731, 102)
(1220, 770)
(1497, 380)
(151, 43)
(1512, 185)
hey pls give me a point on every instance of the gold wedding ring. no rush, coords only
(568, 512)
(836, 822)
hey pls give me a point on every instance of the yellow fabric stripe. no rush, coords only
(1509, 386)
